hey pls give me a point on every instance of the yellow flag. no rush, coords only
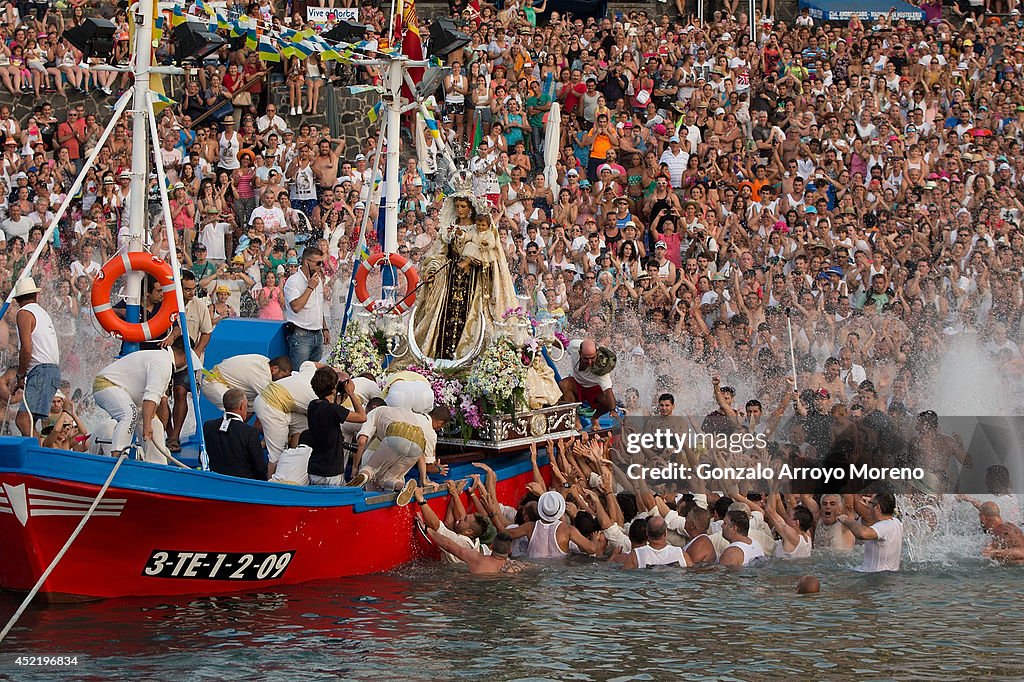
(156, 86)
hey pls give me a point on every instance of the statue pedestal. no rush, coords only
(507, 432)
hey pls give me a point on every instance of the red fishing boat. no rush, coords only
(166, 531)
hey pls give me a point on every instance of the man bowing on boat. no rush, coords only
(134, 385)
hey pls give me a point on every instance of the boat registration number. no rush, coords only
(217, 565)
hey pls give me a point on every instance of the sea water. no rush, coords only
(581, 620)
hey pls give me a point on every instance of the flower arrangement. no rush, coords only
(356, 352)
(498, 378)
(447, 390)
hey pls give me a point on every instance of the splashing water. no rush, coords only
(940, 529)
(968, 382)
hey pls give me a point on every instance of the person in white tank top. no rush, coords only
(550, 538)
(544, 541)
(39, 359)
(229, 144)
(700, 549)
(794, 530)
(657, 551)
(741, 550)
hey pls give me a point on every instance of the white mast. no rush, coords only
(144, 19)
(392, 174)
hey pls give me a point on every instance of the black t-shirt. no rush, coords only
(324, 436)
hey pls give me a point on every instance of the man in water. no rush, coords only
(550, 537)
(700, 549)
(1007, 544)
(497, 563)
(936, 452)
(741, 550)
(829, 534)
(465, 532)
(883, 539)
(657, 551)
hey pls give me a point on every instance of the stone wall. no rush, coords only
(352, 123)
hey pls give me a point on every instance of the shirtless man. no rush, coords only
(497, 563)
(700, 549)
(829, 534)
(325, 165)
(936, 452)
(830, 379)
(1007, 544)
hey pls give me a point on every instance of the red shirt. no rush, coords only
(575, 93)
(73, 146)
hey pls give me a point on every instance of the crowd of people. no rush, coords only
(589, 507)
(858, 183)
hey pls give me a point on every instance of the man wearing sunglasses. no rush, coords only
(304, 293)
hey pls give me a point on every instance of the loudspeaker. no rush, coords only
(95, 37)
(193, 40)
(346, 32)
(445, 38)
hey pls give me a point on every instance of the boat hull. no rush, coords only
(163, 531)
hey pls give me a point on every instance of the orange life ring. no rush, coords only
(412, 280)
(136, 261)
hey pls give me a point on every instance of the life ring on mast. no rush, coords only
(412, 280)
(136, 261)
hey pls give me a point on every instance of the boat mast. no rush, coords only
(137, 207)
(392, 179)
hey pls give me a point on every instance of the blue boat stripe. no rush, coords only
(24, 456)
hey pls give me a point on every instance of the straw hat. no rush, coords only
(25, 286)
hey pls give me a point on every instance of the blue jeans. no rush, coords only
(305, 344)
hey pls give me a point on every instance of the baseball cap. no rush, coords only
(660, 245)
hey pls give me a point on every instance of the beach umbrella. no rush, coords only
(420, 138)
(552, 134)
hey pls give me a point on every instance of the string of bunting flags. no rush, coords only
(272, 43)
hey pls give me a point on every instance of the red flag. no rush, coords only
(412, 47)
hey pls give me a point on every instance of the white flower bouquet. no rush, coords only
(357, 352)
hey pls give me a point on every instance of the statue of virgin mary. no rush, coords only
(469, 285)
